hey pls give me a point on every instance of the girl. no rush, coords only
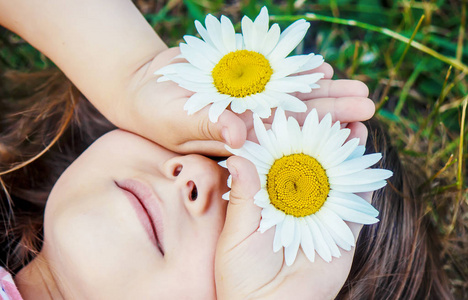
(101, 239)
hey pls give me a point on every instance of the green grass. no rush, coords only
(413, 55)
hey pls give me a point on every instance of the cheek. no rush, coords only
(95, 247)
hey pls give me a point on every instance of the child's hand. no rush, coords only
(247, 267)
(155, 110)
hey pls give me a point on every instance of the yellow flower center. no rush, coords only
(297, 185)
(242, 73)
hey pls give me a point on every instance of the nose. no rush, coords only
(199, 180)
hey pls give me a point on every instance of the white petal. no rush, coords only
(339, 155)
(163, 79)
(315, 61)
(262, 20)
(211, 52)
(213, 26)
(320, 244)
(204, 33)
(322, 133)
(239, 41)
(196, 58)
(260, 29)
(228, 34)
(250, 103)
(337, 228)
(280, 129)
(169, 69)
(193, 74)
(292, 104)
(263, 109)
(327, 237)
(287, 85)
(358, 152)
(354, 165)
(226, 196)
(352, 201)
(238, 105)
(251, 154)
(223, 164)
(271, 40)
(229, 181)
(277, 239)
(264, 139)
(289, 39)
(310, 134)
(217, 109)
(288, 66)
(350, 215)
(260, 153)
(286, 101)
(192, 86)
(248, 33)
(368, 187)
(199, 100)
(295, 135)
(290, 252)
(362, 177)
(262, 198)
(307, 243)
(334, 142)
(288, 230)
(328, 132)
(263, 181)
(262, 171)
(270, 217)
(307, 78)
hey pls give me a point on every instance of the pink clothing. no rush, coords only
(8, 290)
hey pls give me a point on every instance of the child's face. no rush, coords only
(99, 240)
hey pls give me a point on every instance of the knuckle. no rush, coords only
(205, 129)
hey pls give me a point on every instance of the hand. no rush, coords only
(246, 266)
(155, 111)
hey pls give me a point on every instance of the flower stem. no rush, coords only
(315, 17)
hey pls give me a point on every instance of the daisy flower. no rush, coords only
(309, 180)
(249, 71)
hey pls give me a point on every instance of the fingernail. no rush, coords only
(225, 134)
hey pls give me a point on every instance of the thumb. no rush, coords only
(209, 138)
(243, 216)
(229, 129)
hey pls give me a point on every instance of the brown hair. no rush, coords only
(45, 123)
(395, 259)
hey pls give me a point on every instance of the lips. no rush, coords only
(147, 206)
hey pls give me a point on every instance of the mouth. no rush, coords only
(146, 205)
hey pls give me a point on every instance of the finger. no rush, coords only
(230, 129)
(358, 130)
(324, 68)
(243, 216)
(337, 88)
(343, 109)
(208, 148)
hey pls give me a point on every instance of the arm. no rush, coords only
(110, 53)
(102, 46)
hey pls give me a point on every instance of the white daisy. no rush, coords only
(249, 71)
(309, 178)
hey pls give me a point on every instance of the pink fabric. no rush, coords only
(8, 290)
